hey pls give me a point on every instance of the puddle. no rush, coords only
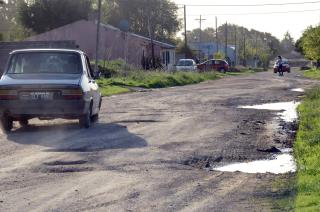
(289, 109)
(298, 89)
(281, 164)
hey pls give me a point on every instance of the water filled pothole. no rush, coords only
(280, 164)
(298, 90)
(289, 109)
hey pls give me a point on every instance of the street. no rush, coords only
(152, 151)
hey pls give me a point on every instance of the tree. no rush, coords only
(311, 43)
(44, 15)
(250, 43)
(287, 43)
(156, 18)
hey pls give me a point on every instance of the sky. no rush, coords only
(277, 23)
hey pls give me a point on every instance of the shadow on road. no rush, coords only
(70, 138)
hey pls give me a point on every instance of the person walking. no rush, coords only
(280, 65)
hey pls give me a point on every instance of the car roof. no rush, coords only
(46, 50)
(186, 60)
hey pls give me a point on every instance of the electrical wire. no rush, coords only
(260, 13)
(250, 5)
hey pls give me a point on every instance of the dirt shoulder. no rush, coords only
(150, 151)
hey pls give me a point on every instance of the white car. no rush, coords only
(186, 65)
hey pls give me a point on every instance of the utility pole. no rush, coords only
(226, 40)
(256, 51)
(200, 35)
(244, 48)
(152, 45)
(185, 32)
(98, 36)
(235, 46)
(217, 38)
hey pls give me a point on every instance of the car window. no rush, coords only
(45, 62)
(185, 63)
(90, 72)
(217, 62)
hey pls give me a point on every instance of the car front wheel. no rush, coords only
(6, 123)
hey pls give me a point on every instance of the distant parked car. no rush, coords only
(214, 64)
(186, 65)
(47, 84)
(285, 66)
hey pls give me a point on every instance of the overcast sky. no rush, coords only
(276, 24)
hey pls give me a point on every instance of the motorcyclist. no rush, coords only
(280, 66)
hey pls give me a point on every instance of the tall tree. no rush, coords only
(311, 43)
(156, 18)
(44, 15)
(287, 43)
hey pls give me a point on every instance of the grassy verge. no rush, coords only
(153, 79)
(307, 152)
(312, 73)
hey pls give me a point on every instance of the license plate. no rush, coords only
(37, 95)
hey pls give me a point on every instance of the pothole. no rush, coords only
(202, 162)
(289, 109)
(301, 90)
(65, 163)
(66, 169)
(280, 164)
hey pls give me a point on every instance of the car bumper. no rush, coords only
(54, 109)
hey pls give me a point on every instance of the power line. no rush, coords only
(251, 5)
(261, 13)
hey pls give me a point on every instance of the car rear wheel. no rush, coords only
(6, 123)
(85, 120)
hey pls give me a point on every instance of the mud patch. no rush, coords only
(65, 163)
(64, 169)
(202, 162)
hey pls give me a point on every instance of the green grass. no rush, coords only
(307, 152)
(312, 73)
(156, 79)
(152, 80)
(109, 90)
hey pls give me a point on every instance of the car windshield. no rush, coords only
(185, 63)
(45, 62)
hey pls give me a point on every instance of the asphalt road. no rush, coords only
(152, 151)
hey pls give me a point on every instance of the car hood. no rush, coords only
(40, 79)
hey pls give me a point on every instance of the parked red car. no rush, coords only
(285, 66)
(214, 64)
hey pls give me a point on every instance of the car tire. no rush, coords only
(24, 122)
(6, 123)
(222, 70)
(85, 120)
(95, 118)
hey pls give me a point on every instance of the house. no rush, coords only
(114, 43)
(208, 49)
